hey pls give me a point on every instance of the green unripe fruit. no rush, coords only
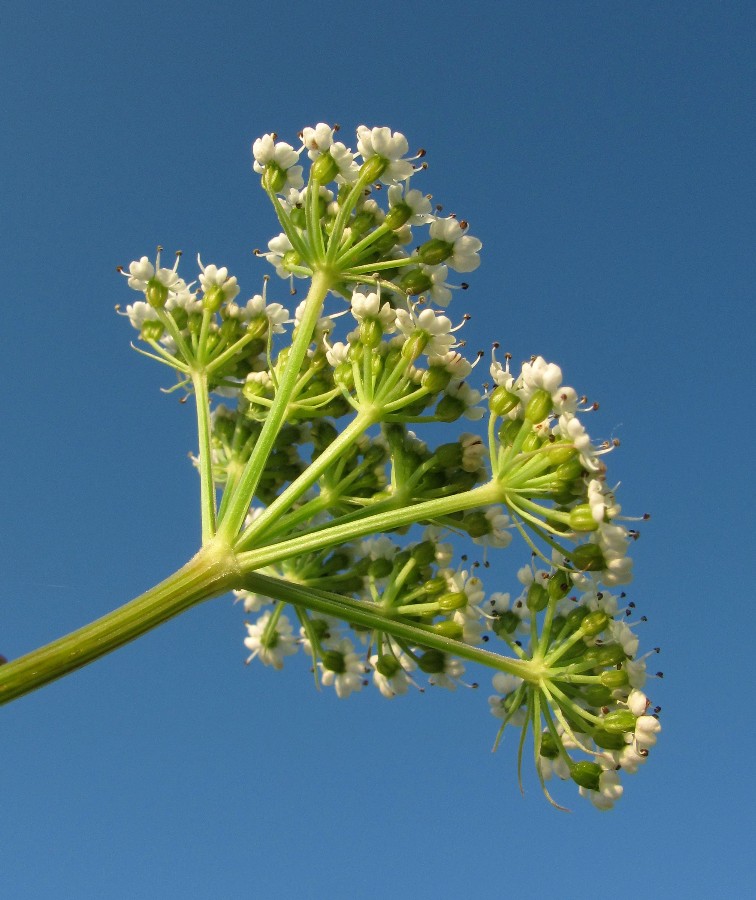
(476, 524)
(381, 567)
(597, 695)
(371, 333)
(588, 558)
(575, 617)
(594, 623)
(509, 431)
(569, 470)
(324, 169)
(537, 598)
(539, 406)
(156, 293)
(151, 330)
(581, 518)
(586, 774)
(449, 456)
(452, 601)
(424, 553)
(532, 442)
(415, 282)
(299, 217)
(608, 740)
(448, 629)
(387, 666)
(334, 661)
(398, 215)
(549, 747)
(373, 168)
(605, 655)
(435, 585)
(435, 379)
(274, 177)
(501, 401)
(614, 678)
(506, 623)
(561, 453)
(252, 390)
(449, 408)
(558, 586)
(434, 251)
(432, 662)
(620, 721)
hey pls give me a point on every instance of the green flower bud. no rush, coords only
(549, 747)
(597, 695)
(586, 774)
(452, 601)
(448, 629)
(581, 518)
(537, 597)
(594, 623)
(620, 721)
(575, 617)
(435, 379)
(398, 215)
(614, 678)
(539, 406)
(500, 402)
(334, 661)
(415, 281)
(324, 169)
(156, 293)
(588, 558)
(608, 740)
(434, 251)
(605, 655)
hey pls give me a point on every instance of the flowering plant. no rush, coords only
(328, 516)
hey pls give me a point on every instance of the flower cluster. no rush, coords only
(340, 495)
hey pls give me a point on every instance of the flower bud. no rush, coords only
(570, 469)
(539, 406)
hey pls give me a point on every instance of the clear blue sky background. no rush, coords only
(604, 153)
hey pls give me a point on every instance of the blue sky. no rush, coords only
(603, 152)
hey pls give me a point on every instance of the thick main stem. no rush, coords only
(209, 574)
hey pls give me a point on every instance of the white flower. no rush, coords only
(572, 430)
(282, 155)
(390, 146)
(609, 792)
(252, 602)
(505, 683)
(435, 327)
(447, 678)
(500, 534)
(317, 140)
(369, 307)
(398, 683)
(637, 702)
(646, 729)
(141, 312)
(213, 277)
(464, 248)
(272, 649)
(256, 307)
(462, 391)
(474, 451)
(623, 635)
(337, 353)
(419, 204)
(141, 272)
(351, 675)
(453, 363)
(540, 375)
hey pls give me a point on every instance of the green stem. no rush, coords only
(207, 486)
(210, 573)
(369, 616)
(245, 488)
